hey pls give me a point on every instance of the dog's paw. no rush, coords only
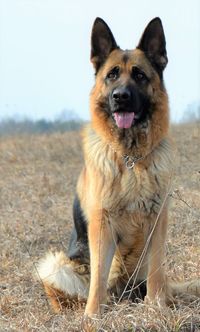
(158, 300)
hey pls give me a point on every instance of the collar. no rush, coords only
(129, 161)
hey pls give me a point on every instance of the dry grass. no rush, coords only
(37, 182)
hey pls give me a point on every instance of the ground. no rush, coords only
(37, 183)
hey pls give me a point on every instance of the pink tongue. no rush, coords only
(124, 120)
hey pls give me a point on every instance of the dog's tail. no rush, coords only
(66, 281)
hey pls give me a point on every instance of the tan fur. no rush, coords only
(126, 209)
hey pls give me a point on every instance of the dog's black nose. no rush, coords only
(121, 94)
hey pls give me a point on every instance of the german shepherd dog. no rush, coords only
(121, 205)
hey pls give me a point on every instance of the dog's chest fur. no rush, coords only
(122, 190)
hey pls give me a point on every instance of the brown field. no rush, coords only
(37, 183)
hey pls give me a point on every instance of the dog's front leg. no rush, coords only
(102, 248)
(156, 278)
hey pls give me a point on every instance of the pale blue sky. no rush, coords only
(45, 49)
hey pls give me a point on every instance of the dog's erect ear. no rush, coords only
(102, 43)
(154, 45)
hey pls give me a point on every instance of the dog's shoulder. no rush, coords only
(163, 156)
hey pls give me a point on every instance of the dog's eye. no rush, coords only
(138, 75)
(113, 74)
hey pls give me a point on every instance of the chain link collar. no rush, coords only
(129, 161)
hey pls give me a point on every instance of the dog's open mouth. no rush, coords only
(124, 119)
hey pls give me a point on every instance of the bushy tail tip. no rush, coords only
(66, 282)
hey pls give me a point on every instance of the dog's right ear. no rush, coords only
(102, 43)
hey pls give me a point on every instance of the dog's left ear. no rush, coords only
(102, 43)
(153, 44)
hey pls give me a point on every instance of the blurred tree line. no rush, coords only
(66, 120)
(192, 113)
(14, 127)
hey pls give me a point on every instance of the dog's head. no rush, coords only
(129, 83)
